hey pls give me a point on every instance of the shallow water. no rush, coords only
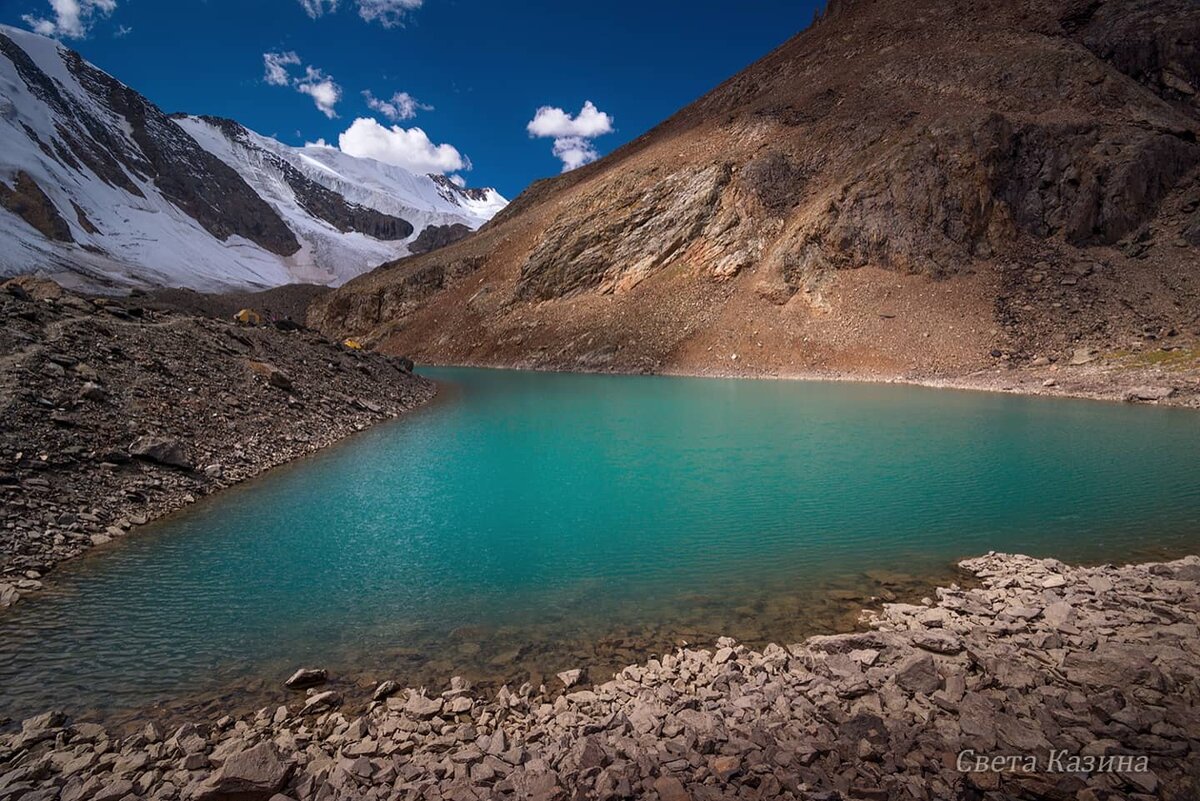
(537, 520)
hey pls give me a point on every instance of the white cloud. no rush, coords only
(402, 106)
(322, 89)
(589, 123)
(316, 84)
(72, 18)
(276, 66)
(122, 31)
(457, 180)
(388, 13)
(409, 148)
(574, 151)
(572, 135)
(315, 8)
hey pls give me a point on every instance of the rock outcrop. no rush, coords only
(114, 413)
(438, 236)
(927, 190)
(1044, 682)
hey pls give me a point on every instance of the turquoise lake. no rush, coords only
(524, 520)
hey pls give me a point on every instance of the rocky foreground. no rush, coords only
(114, 412)
(1046, 681)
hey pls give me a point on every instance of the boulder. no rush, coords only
(671, 789)
(421, 707)
(1082, 356)
(42, 727)
(918, 674)
(161, 450)
(255, 774)
(938, 642)
(570, 678)
(92, 391)
(275, 377)
(304, 678)
(321, 702)
(385, 690)
(1151, 394)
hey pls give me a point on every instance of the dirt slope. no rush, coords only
(919, 189)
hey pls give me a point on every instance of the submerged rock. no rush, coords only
(304, 678)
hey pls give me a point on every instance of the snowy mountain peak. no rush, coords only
(100, 188)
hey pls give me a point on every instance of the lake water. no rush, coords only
(528, 522)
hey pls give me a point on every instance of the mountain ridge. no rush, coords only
(902, 190)
(106, 191)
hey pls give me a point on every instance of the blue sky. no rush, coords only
(484, 67)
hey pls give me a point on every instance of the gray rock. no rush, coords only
(570, 678)
(918, 674)
(161, 450)
(938, 642)
(93, 392)
(321, 702)
(304, 678)
(255, 774)
(1082, 356)
(385, 690)
(1058, 614)
(421, 707)
(1148, 394)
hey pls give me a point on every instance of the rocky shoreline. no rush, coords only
(1045, 681)
(1122, 380)
(1126, 379)
(115, 413)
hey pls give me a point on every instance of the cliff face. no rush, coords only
(905, 188)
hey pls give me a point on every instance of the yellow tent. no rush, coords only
(248, 317)
(352, 344)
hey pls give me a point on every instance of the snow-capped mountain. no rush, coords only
(99, 188)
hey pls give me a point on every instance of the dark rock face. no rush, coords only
(1155, 43)
(438, 236)
(1090, 185)
(451, 190)
(406, 294)
(775, 181)
(27, 200)
(201, 185)
(317, 200)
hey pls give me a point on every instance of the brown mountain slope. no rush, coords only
(910, 188)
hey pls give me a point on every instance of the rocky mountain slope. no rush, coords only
(906, 189)
(100, 188)
(114, 412)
